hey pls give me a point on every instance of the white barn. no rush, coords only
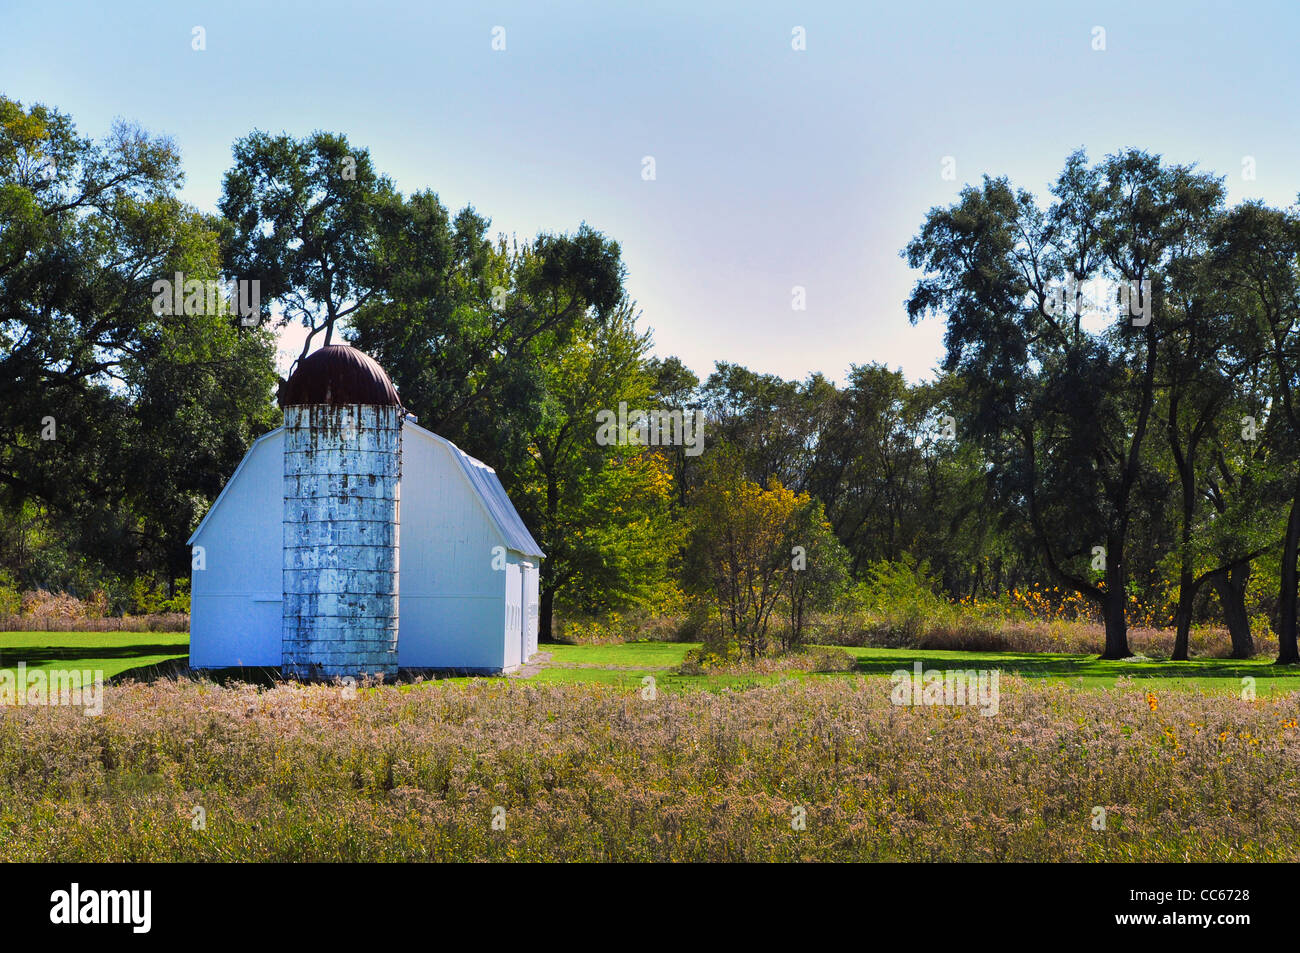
(467, 566)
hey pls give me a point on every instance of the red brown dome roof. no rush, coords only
(338, 374)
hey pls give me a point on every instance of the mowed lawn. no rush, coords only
(111, 652)
(627, 665)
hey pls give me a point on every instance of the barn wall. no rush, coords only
(452, 602)
(235, 600)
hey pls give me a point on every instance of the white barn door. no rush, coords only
(514, 616)
(531, 609)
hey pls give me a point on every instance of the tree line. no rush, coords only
(1114, 414)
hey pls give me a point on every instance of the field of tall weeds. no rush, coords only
(966, 633)
(189, 770)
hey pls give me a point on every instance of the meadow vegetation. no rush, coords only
(899, 604)
(146, 609)
(585, 773)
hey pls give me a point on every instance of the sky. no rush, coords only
(774, 167)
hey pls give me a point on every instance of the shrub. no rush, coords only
(706, 660)
(42, 605)
(11, 599)
(902, 597)
(763, 557)
(180, 602)
(591, 630)
(730, 660)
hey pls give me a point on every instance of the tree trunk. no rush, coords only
(1113, 609)
(1230, 584)
(544, 614)
(1187, 584)
(1288, 653)
(1183, 616)
(1116, 630)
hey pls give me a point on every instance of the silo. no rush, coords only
(342, 473)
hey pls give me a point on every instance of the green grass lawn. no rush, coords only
(1091, 672)
(626, 665)
(111, 652)
(641, 655)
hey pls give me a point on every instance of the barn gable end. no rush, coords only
(235, 598)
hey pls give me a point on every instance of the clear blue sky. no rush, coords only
(775, 167)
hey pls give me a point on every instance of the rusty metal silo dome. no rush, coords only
(337, 375)
(342, 486)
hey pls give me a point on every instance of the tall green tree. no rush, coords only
(1258, 251)
(1224, 523)
(675, 389)
(603, 508)
(466, 327)
(1068, 405)
(306, 218)
(774, 424)
(101, 398)
(868, 465)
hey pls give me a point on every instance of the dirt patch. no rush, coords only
(534, 665)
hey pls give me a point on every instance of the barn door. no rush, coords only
(528, 608)
(523, 611)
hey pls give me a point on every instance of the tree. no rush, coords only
(754, 548)
(1224, 522)
(306, 218)
(818, 568)
(1258, 251)
(603, 509)
(201, 393)
(674, 389)
(466, 327)
(1064, 406)
(868, 464)
(101, 397)
(773, 424)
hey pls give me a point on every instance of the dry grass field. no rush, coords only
(815, 768)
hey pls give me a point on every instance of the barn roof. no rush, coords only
(338, 374)
(492, 495)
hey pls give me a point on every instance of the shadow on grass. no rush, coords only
(40, 655)
(264, 676)
(268, 676)
(1064, 666)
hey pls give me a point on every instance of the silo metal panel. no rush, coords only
(342, 469)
